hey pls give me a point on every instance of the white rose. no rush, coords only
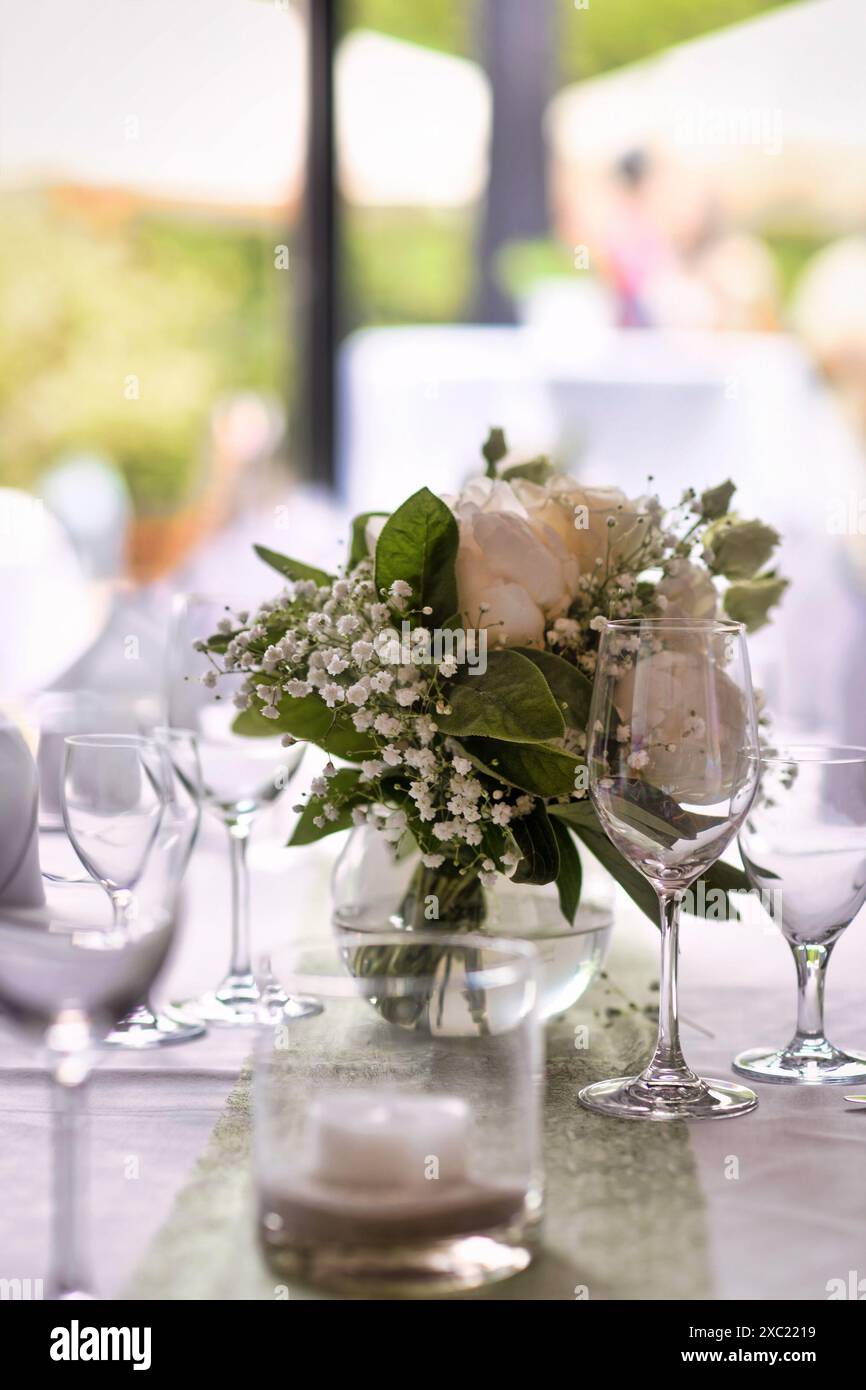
(580, 515)
(511, 563)
(687, 722)
(690, 593)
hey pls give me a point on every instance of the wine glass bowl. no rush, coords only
(112, 800)
(672, 753)
(803, 845)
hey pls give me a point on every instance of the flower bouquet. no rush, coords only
(447, 668)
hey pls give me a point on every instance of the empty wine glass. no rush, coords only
(241, 776)
(59, 713)
(804, 847)
(112, 797)
(672, 752)
(146, 1026)
(68, 970)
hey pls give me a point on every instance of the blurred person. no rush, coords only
(634, 250)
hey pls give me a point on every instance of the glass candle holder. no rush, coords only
(397, 1130)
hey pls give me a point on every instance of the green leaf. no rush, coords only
(539, 846)
(309, 720)
(726, 878)
(530, 766)
(570, 876)
(342, 787)
(494, 449)
(358, 548)
(511, 701)
(291, 569)
(576, 813)
(571, 689)
(418, 544)
(534, 471)
(749, 601)
(716, 500)
(737, 548)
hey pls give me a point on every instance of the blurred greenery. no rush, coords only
(791, 251)
(593, 38)
(192, 309)
(407, 265)
(610, 33)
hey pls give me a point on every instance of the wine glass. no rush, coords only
(673, 767)
(58, 713)
(112, 796)
(804, 847)
(68, 970)
(145, 1026)
(241, 776)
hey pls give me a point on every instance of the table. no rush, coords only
(771, 1205)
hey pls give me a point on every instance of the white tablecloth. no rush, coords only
(784, 1191)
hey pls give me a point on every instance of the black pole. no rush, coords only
(317, 283)
(517, 42)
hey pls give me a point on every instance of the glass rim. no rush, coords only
(823, 754)
(675, 624)
(332, 980)
(109, 740)
(172, 731)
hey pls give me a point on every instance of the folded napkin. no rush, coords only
(20, 879)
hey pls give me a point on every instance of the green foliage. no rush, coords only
(447, 25)
(749, 601)
(308, 719)
(571, 688)
(291, 569)
(510, 701)
(610, 33)
(192, 309)
(539, 846)
(569, 879)
(716, 501)
(736, 548)
(533, 767)
(494, 449)
(358, 544)
(407, 265)
(418, 545)
(343, 785)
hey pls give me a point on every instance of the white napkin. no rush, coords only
(20, 878)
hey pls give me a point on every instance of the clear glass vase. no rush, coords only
(377, 887)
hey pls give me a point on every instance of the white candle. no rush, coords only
(378, 1139)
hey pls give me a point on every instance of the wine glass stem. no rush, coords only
(121, 903)
(241, 959)
(668, 1064)
(70, 1275)
(811, 962)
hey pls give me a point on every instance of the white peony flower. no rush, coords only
(580, 516)
(514, 573)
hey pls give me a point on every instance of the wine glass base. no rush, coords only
(238, 1003)
(821, 1066)
(145, 1028)
(631, 1098)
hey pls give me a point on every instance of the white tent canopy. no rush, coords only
(774, 110)
(204, 102)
